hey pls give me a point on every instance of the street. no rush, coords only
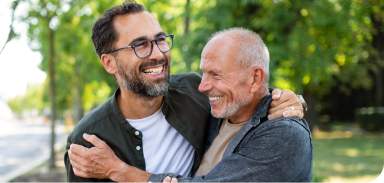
(24, 146)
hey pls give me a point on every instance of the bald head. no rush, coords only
(248, 48)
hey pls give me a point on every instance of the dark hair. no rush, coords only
(104, 34)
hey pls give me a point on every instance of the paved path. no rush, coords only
(24, 146)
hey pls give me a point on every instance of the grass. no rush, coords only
(345, 157)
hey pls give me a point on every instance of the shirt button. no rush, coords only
(137, 133)
(138, 148)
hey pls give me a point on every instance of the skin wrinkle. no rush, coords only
(234, 99)
(250, 50)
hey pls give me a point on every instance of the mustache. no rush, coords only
(153, 63)
(212, 93)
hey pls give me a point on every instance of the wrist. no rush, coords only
(117, 173)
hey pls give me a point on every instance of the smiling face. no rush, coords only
(222, 81)
(145, 77)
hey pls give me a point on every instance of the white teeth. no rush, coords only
(154, 71)
(214, 98)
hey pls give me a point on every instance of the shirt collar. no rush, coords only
(262, 110)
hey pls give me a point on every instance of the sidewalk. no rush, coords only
(43, 174)
(25, 146)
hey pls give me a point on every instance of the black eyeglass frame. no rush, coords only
(151, 41)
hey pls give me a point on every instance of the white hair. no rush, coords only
(251, 50)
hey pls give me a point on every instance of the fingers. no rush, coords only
(286, 112)
(77, 169)
(276, 93)
(93, 139)
(167, 179)
(78, 162)
(79, 173)
(174, 180)
(73, 157)
(295, 113)
(78, 149)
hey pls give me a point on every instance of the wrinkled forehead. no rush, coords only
(219, 52)
(131, 26)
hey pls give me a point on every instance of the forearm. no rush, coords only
(127, 173)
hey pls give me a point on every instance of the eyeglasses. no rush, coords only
(143, 49)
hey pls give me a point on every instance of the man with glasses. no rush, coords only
(154, 121)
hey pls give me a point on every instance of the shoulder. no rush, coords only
(286, 125)
(185, 80)
(284, 132)
(88, 121)
(286, 142)
(185, 87)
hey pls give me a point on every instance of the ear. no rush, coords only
(109, 63)
(258, 75)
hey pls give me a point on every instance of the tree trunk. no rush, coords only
(52, 92)
(79, 113)
(311, 115)
(187, 17)
(379, 87)
(378, 44)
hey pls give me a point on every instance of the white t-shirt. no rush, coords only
(165, 149)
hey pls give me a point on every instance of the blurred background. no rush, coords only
(330, 51)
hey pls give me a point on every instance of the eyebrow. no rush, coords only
(214, 71)
(145, 38)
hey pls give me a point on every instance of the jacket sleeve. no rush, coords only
(277, 152)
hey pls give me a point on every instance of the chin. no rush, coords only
(216, 114)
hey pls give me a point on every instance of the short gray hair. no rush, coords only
(251, 50)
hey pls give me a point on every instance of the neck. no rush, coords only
(134, 107)
(245, 113)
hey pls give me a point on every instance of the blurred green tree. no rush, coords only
(313, 44)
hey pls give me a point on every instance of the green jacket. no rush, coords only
(184, 107)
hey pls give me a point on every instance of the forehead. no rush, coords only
(219, 54)
(131, 26)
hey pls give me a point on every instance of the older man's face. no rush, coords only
(222, 81)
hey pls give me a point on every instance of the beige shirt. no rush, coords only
(215, 153)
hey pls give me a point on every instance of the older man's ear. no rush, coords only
(258, 76)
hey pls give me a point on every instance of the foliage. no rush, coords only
(314, 45)
(308, 49)
(371, 118)
(32, 99)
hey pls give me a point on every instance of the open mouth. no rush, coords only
(154, 70)
(214, 98)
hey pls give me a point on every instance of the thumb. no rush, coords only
(276, 93)
(93, 139)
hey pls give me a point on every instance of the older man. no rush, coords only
(243, 145)
(154, 121)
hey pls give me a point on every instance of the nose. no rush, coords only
(156, 53)
(205, 85)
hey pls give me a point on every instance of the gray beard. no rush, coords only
(141, 87)
(231, 108)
